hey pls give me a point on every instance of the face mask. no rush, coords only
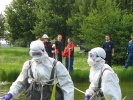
(91, 62)
(38, 59)
(91, 59)
(37, 56)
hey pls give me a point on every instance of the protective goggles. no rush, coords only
(92, 55)
(36, 53)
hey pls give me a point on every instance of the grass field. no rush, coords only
(12, 59)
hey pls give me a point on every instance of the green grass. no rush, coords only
(12, 59)
(11, 62)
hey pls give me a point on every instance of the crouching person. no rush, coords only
(104, 82)
(38, 75)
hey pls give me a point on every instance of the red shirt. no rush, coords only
(68, 51)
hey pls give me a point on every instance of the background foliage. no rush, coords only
(12, 60)
(2, 21)
(20, 21)
(83, 20)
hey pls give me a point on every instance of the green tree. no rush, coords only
(2, 21)
(125, 5)
(101, 20)
(78, 13)
(20, 21)
(106, 18)
(53, 16)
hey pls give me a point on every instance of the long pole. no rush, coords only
(79, 90)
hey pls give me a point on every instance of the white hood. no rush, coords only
(38, 46)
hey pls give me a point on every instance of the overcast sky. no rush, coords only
(3, 4)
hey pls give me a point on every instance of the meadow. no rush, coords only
(12, 59)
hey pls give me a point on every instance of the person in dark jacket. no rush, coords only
(108, 46)
(58, 48)
(48, 45)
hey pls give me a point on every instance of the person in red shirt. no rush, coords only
(69, 54)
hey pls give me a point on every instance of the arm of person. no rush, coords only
(72, 47)
(113, 51)
(91, 89)
(55, 48)
(110, 86)
(19, 85)
(128, 48)
(65, 81)
(56, 44)
(103, 45)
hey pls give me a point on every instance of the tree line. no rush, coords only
(83, 20)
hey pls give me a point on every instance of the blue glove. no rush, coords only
(87, 97)
(7, 97)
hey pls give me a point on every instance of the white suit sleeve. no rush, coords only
(19, 85)
(91, 89)
(110, 86)
(65, 82)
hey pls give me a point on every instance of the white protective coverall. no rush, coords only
(110, 82)
(41, 72)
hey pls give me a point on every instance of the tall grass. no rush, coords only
(126, 75)
(80, 76)
(12, 59)
(11, 62)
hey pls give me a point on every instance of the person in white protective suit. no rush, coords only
(36, 74)
(109, 84)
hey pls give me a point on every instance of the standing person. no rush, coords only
(130, 52)
(108, 46)
(48, 45)
(69, 54)
(37, 77)
(104, 81)
(59, 48)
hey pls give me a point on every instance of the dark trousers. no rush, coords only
(60, 57)
(35, 92)
(129, 58)
(69, 64)
(108, 58)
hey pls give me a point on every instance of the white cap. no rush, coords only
(37, 45)
(100, 52)
(45, 36)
